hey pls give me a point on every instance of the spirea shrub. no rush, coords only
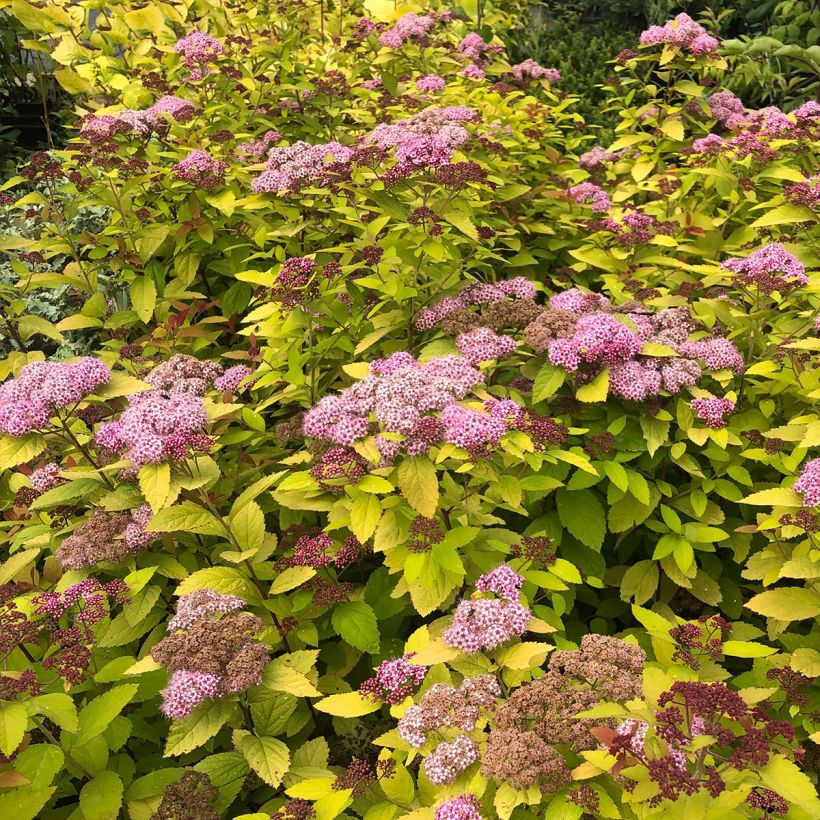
(429, 458)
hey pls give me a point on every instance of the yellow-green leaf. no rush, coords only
(418, 482)
(347, 704)
(155, 483)
(787, 603)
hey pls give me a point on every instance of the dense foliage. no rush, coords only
(374, 444)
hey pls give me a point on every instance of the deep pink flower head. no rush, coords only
(575, 300)
(473, 72)
(290, 167)
(594, 195)
(394, 680)
(463, 807)
(503, 581)
(186, 690)
(473, 46)
(471, 430)
(197, 48)
(530, 70)
(682, 32)
(485, 624)
(728, 109)
(712, 144)
(232, 378)
(809, 483)
(29, 401)
(771, 268)
(432, 82)
(45, 477)
(201, 170)
(713, 411)
(177, 108)
(409, 27)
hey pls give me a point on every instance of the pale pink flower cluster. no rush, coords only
(473, 72)
(596, 157)
(157, 426)
(771, 268)
(233, 377)
(186, 690)
(428, 138)
(809, 483)
(431, 82)
(728, 109)
(201, 604)
(134, 533)
(99, 128)
(44, 478)
(177, 108)
(256, 149)
(197, 48)
(592, 194)
(401, 394)
(449, 760)
(443, 705)
(184, 374)
(485, 624)
(201, 170)
(603, 338)
(713, 411)
(463, 807)
(394, 680)
(682, 32)
(409, 27)
(29, 401)
(473, 46)
(471, 430)
(483, 345)
(503, 581)
(636, 731)
(290, 167)
(474, 294)
(530, 70)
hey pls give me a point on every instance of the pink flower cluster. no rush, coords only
(503, 581)
(134, 534)
(474, 294)
(157, 426)
(602, 338)
(596, 157)
(44, 478)
(401, 394)
(428, 138)
(291, 167)
(89, 595)
(201, 604)
(449, 760)
(728, 109)
(589, 192)
(530, 70)
(473, 46)
(394, 680)
(409, 27)
(432, 82)
(809, 483)
(486, 623)
(186, 690)
(232, 378)
(483, 345)
(682, 32)
(184, 374)
(713, 411)
(99, 128)
(473, 72)
(198, 48)
(201, 170)
(29, 401)
(771, 268)
(463, 807)
(256, 149)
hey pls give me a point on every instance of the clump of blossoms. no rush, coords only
(475, 294)
(184, 374)
(233, 378)
(703, 638)
(44, 478)
(394, 680)
(444, 706)
(291, 167)
(410, 27)
(29, 401)
(809, 483)
(633, 228)
(201, 170)
(584, 333)
(483, 345)
(427, 139)
(257, 148)
(107, 537)
(727, 109)
(597, 157)
(197, 50)
(592, 194)
(682, 32)
(192, 797)
(483, 623)
(432, 82)
(713, 411)
(449, 759)
(745, 735)
(463, 807)
(156, 427)
(541, 717)
(769, 269)
(805, 193)
(530, 70)
(474, 47)
(211, 651)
